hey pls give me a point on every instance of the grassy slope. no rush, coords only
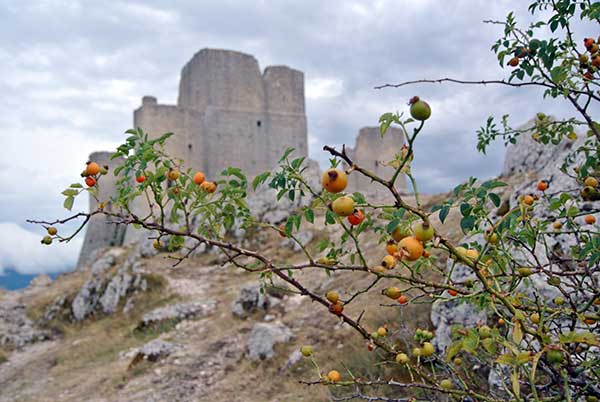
(212, 367)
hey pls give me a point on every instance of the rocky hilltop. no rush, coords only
(131, 327)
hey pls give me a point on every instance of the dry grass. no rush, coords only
(99, 341)
(3, 355)
(65, 284)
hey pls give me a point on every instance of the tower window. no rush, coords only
(258, 123)
(189, 146)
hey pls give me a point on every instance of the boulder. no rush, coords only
(263, 338)
(106, 289)
(250, 300)
(16, 329)
(152, 351)
(177, 312)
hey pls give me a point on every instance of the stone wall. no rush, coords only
(372, 152)
(223, 79)
(228, 114)
(100, 231)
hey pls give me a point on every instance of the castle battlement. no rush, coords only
(229, 113)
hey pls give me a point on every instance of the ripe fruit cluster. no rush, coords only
(590, 63)
(523, 52)
(407, 243)
(92, 172)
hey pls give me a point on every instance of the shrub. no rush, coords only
(540, 349)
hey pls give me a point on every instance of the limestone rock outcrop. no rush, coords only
(16, 329)
(177, 312)
(110, 285)
(250, 299)
(263, 337)
(536, 162)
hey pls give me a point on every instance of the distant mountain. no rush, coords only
(13, 280)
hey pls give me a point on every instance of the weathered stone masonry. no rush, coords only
(229, 114)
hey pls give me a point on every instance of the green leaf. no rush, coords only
(491, 184)
(489, 344)
(76, 185)
(289, 226)
(471, 341)
(516, 387)
(467, 223)
(578, 337)
(287, 153)
(495, 199)
(506, 360)
(68, 204)
(359, 198)
(322, 245)
(517, 335)
(297, 162)
(392, 225)
(309, 215)
(329, 217)
(70, 192)
(453, 350)
(444, 213)
(465, 209)
(522, 358)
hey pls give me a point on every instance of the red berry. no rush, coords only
(90, 181)
(336, 308)
(140, 179)
(356, 218)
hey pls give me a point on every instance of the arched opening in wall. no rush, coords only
(190, 147)
(258, 123)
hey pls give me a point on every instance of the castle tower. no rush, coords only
(371, 152)
(100, 231)
(284, 88)
(229, 114)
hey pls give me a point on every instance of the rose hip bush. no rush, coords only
(540, 349)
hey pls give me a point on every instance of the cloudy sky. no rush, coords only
(72, 71)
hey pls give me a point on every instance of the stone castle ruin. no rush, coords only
(371, 152)
(229, 113)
